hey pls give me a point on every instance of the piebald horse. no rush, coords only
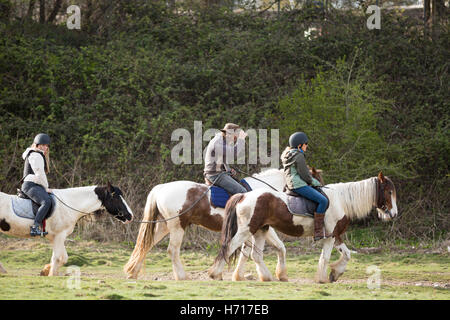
(70, 205)
(250, 214)
(167, 201)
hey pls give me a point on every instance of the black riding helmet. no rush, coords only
(297, 138)
(42, 138)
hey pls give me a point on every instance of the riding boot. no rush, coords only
(36, 230)
(319, 229)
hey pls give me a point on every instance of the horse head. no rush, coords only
(386, 198)
(113, 201)
(317, 174)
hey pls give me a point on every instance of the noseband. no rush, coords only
(381, 199)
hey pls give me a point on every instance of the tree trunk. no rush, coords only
(55, 11)
(42, 11)
(30, 9)
(426, 10)
(440, 8)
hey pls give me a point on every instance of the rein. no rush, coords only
(250, 176)
(68, 205)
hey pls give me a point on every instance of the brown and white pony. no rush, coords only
(250, 214)
(166, 201)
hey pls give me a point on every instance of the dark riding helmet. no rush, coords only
(42, 138)
(297, 138)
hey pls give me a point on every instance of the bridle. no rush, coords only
(381, 201)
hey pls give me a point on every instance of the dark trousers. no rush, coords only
(227, 182)
(38, 194)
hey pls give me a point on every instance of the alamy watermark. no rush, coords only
(374, 21)
(74, 280)
(74, 20)
(374, 280)
(189, 149)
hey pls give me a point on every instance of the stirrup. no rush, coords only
(37, 231)
(325, 235)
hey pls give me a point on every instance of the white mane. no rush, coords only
(357, 198)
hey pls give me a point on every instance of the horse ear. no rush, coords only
(313, 169)
(109, 187)
(381, 176)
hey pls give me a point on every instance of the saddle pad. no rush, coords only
(301, 206)
(25, 208)
(219, 196)
(246, 185)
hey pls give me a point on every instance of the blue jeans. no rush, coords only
(314, 195)
(38, 194)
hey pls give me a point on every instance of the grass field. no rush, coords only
(405, 273)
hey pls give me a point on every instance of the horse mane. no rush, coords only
(77, 188)
(268, 172)
(357, 198)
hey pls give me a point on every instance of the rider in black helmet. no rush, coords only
(35, 184)
(299, 179)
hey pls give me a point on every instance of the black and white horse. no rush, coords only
(69, 206)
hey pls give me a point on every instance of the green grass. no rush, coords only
(404, 275)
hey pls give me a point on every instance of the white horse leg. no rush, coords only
(321, 276)
(273, 239)
(215, 272)
(338, 268)
(176, 239)
(238, 273)
(257, 256)
(59, 256)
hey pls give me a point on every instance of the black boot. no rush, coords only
(36, 230)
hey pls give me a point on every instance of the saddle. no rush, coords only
(298, 205)
(219, 196)
(26, 208)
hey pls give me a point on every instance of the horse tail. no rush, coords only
(145, 237)
(229, 228)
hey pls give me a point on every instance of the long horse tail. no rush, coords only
(229, 228)
(145, 237)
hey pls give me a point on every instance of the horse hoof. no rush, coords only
(265, 279)
(45, 271)
(332, 276)
(215, 276)
(318, 279)
(236, 277)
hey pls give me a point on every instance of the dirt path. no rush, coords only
(203, 276)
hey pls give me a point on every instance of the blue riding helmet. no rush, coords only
(297, 138)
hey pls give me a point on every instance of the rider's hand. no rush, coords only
(242, 134)
(233, 172)
(49, 191)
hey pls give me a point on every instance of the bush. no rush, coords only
(111, 94)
